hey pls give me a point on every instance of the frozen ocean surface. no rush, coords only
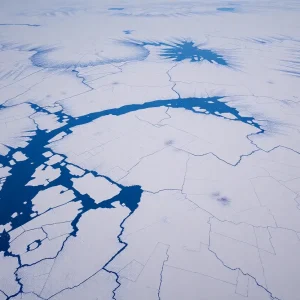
(149, 150)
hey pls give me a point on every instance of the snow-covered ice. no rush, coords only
(149, 150)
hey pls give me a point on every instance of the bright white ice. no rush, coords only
(149, 150)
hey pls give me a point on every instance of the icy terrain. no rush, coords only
(149, 150)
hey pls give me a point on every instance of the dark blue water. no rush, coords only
(17, 24)
(129, 196)
(227, 9)
(116, 8)
(188, 50)
(128, 31)
(4, 241)
(183, 50)
(34, 245)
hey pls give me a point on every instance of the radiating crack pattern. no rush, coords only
(182, 49)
